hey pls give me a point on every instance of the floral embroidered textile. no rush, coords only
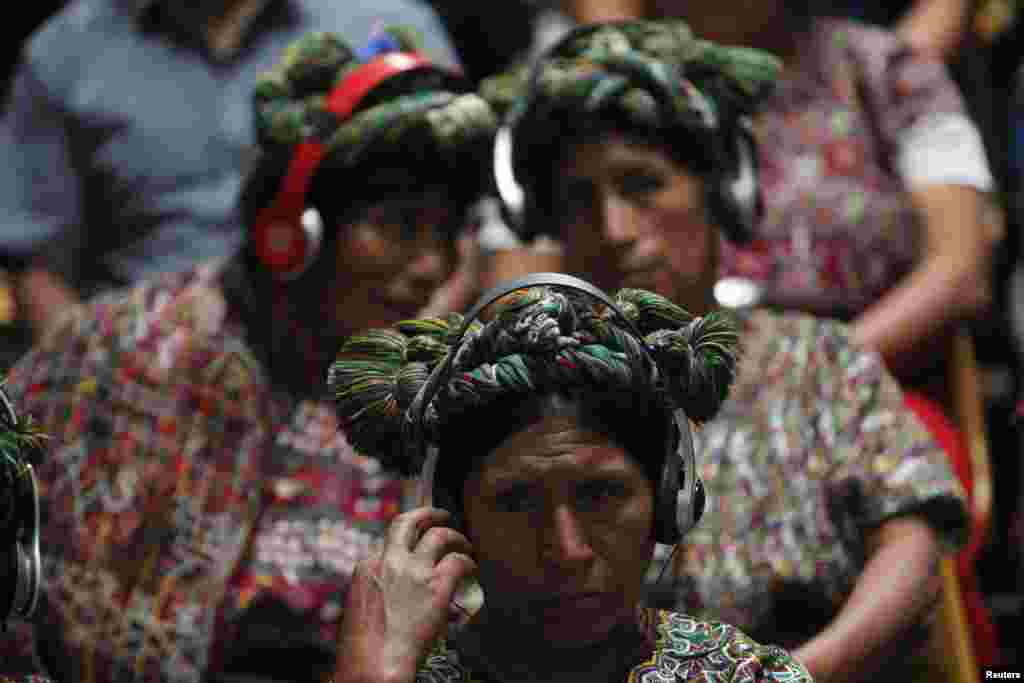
(838, 229)
(813, 449)
(185, 495)
(685, 650)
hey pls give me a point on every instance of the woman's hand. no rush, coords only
(397, 605)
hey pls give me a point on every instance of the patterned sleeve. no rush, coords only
(147, 486)
(883, 461)
(901, 87)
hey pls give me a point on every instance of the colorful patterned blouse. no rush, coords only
(813, 448)
(839, 230)
(683, 649)
(194, 511)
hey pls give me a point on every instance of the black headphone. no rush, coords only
(19, 545)
(733, 192)
(679, 500)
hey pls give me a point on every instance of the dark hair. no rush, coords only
(635, 421)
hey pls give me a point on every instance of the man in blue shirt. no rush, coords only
(127, 129)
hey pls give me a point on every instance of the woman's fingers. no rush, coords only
(455, 567)
(408, 527)
(439, 541)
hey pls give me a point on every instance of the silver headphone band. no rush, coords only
(413, 425)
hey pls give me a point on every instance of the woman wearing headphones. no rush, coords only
(829, 506)
(201, 503)
(555, 446)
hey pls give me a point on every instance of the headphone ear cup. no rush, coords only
(734, 197)
(671, 498)
(18, 596)
(699, 502)
(287, 244)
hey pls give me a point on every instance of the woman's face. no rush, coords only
(390, 261)
(561, 523)
(630, 216)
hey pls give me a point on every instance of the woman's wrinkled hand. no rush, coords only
(397, 604)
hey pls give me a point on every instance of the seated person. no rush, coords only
(847, 504)
(878, 202)
(555, 445)
(202, 505)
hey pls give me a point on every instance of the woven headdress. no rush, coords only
(541, 339)
(21, 447)
(290, 102)
(608, 67)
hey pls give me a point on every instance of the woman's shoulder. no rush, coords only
(689, 648)
(831, 34)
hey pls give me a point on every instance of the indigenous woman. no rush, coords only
(878, 202)
(830, 506)
(201, 505)
(558, 453)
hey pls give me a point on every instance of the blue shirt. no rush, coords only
(123, 143)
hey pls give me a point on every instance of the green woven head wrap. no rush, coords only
(417, 125)
(21, 444)
(610, 64)
(290, 102)
(541, 339)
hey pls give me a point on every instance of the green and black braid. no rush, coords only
(584, 69)
(421, 124)
(541, 340)
(21, 444)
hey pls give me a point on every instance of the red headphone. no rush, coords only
(287, 234)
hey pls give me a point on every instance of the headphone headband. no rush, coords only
(347, 95)
(341, 101)
(541, 280)
(431, 386)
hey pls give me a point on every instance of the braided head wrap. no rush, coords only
(417, 127)
(653, 81)
(542, 340)
(21, 445)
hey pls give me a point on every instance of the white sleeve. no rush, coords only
(944, 149)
